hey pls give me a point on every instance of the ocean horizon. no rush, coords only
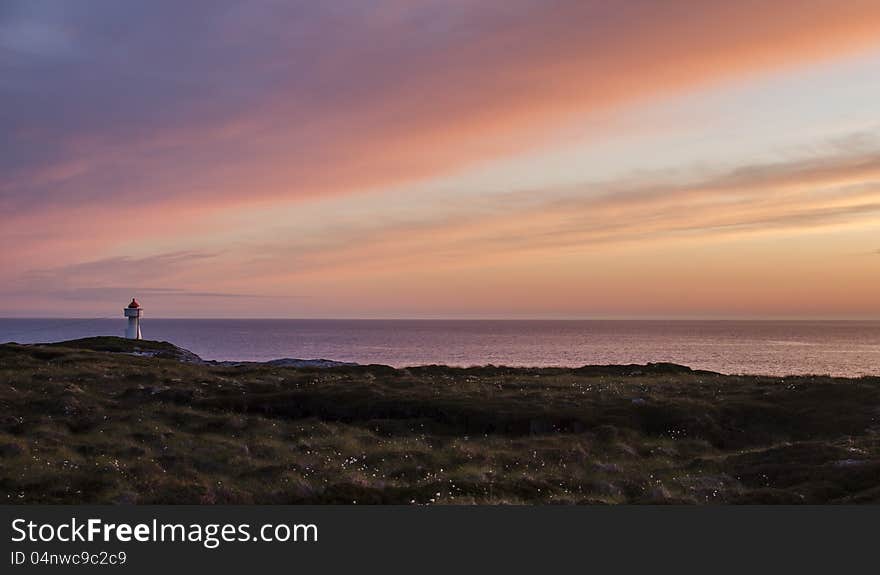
(845, 348)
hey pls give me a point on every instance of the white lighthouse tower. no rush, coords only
(133, 312)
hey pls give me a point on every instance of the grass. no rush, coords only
(90, 422)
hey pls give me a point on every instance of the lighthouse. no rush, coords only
(133, 312)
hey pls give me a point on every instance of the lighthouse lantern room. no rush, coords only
(133, 312)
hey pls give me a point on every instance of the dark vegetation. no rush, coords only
(90, 422)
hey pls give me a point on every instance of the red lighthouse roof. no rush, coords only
(134, 304)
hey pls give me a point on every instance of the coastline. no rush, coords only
(838, 348)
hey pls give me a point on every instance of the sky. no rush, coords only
(441, 159)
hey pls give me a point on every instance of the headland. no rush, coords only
(109, 420)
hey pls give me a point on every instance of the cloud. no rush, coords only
(343, 98)
(35, 38)
(135, 270)
(121, 277)
(107, 294)
(763, 198)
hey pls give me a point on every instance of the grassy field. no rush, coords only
(100, 421)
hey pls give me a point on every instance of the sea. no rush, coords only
(839, 348)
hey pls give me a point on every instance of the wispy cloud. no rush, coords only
(761, 198)
(109, 294)
(120, 277)
(135, 270)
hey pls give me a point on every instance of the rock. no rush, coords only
(286, 362)
(290, 362)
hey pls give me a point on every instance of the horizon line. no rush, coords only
(538, 318)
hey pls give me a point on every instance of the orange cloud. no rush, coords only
(637, 250)
(508, 85)
(513, 88)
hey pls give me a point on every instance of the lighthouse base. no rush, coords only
(133, 331)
